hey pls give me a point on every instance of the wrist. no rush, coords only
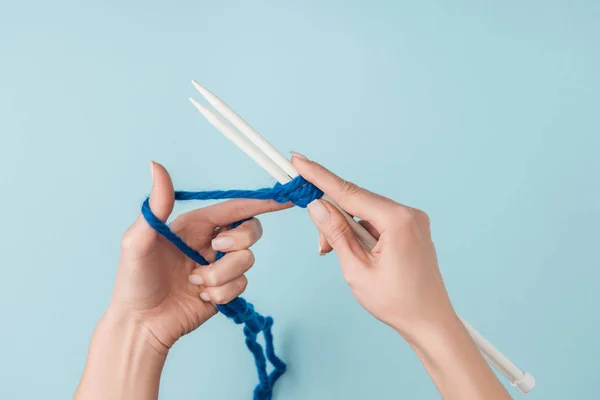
(125, 360)
(454, 362)
(439, 338)
(133, 330)
(427, 327)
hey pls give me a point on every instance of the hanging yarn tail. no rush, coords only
(298, 191)
(242, 312)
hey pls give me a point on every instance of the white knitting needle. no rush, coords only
(241, 142)
(247, 130)
(270, 158)
(283, 171)
(523, 381)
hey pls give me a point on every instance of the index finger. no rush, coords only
(235, 210)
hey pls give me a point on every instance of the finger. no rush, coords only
(196, 227)
(352, 198)
(225, 293)
(140, 237)
(230, 267)
(324, 246)
(337, 231)
(238, 238)
(231, 211)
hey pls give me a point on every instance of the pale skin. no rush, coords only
(160, 295)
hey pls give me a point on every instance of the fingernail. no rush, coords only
(152, 169)
(298, 155)
(204, 296)
(196, 279)
(222, 243)
(318, 211)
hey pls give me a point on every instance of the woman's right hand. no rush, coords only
(399, 281)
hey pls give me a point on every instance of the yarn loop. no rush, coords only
(298, 191)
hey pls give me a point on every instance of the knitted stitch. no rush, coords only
(298, 191)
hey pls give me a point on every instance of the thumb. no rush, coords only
(162, 196)
(336, 230)
(140, 237)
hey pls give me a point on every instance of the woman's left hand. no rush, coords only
(160, 294)
(166, 291)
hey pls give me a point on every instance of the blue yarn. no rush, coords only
(298, 191)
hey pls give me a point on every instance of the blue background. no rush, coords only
(484, 114)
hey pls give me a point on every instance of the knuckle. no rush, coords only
(339, 231)
(350, 279)
(350, 275)
(128, 240)
(242, 284)
(349, 188)
(422, 217)
(402, 216)
(257, 229)
(246, 257)
(211, 277)
(217, 296)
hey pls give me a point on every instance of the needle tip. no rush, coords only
(197, 104)
(208, 114)
(203, 91)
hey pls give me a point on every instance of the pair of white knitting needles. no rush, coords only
(280, 168)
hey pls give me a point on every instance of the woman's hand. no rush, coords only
(171, 294)
(399, 281)
(160, 294)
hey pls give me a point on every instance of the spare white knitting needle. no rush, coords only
(283, 171)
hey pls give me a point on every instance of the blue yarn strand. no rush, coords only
(298, 191)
